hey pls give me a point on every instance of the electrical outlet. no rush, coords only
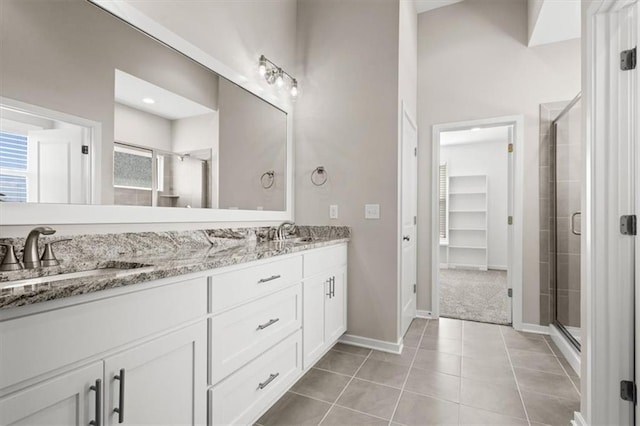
(333, 211)
(372, 211)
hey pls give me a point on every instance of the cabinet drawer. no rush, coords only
(239, 335)
(40, 343)
(320, 260)
(242, 397)
(233, 288)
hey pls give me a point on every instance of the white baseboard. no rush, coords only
(534, 328)
(570, 353)
(498, 267)
(423, 314)
(379, 345)
(578, 420)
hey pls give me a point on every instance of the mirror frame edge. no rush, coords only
(12, 214)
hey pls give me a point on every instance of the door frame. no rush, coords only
(405, 113)
(606, 344)
(515, 208)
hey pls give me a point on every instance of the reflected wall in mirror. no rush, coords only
(94, 111)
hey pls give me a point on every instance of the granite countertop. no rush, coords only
(174, 254)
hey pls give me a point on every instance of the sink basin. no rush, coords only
(296, 240)
(116, 270)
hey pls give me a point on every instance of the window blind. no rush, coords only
(13, 167)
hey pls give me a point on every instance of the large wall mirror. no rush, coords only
(94, 111)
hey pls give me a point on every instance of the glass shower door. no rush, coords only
(567, 186)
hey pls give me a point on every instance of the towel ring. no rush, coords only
(319, 171)
(270, 175)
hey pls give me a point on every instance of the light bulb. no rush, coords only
(279, 79)
(262, 69)
(294, 89)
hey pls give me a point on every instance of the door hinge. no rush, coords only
(415, 151)
(85, 149)
(628, 391)
(628, 224)
(510, 292)
(415, 220)
(510, 147)
(415, 288)
(628, 59)
(510, 220)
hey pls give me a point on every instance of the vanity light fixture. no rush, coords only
(273, 74)
(148, 101)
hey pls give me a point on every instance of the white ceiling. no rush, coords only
(556, 21)
(131, 90)
(427, 5)
(475, 135)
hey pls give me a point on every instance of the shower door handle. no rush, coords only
(573, 223)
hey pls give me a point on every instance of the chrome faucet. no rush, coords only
(285, 229)
(31, 257)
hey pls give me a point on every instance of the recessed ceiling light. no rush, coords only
(149, 101)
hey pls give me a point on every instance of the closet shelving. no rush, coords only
(468, 219)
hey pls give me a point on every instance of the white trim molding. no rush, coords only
(515, 277)
(568, 351)
(578, 420)
(423, 314)
(534, 328)
(609, 106)
(379, 345)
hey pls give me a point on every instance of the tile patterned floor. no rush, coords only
(451, 372)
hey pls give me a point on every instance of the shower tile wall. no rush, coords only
(548, 112)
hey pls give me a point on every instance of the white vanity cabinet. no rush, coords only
(217, 347)
(63, 400)
(325, 301)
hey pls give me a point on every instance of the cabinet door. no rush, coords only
(314, 298)
(164, 381)
(64, 400)
(335, 311)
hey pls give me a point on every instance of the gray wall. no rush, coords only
(248, 148)
(347, 121)
(473, 63)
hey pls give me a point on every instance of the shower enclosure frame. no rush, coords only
(553, 226)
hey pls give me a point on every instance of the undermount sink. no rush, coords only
(116, 270)
(296, 240)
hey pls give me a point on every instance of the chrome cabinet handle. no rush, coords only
(333, 287)
(120, 408)
(271, 278)
(265, 325)
(573, 223)
(98, 390)
(328, 282)
(406, 238)
(269, 380)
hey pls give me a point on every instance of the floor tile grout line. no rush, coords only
(565, 371)
(524, 407)
(413, 360)
(361, 379)
(462, 327)
(345, 388)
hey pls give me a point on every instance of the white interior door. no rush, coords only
(409, 196)
(55, 166)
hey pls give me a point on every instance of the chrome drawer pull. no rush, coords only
(269, 380)
(120, 408)
(271, 278)
(271, 322)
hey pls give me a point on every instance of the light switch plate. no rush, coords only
(333, 211)
(372, 211)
